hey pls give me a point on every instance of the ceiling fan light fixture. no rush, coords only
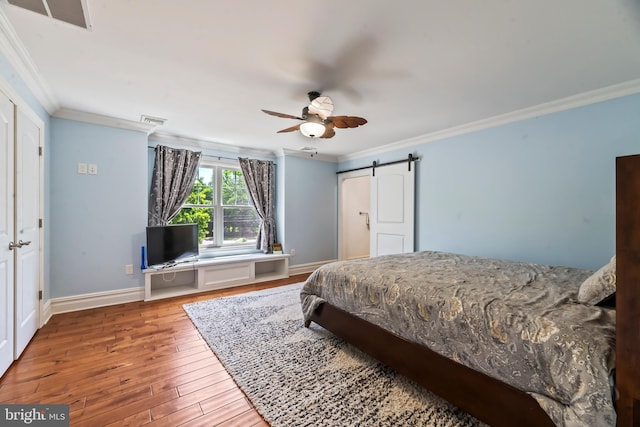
(317, 121)
(312, 129)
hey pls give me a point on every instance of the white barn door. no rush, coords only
(392, 209)
(27, 273)
(6, 233)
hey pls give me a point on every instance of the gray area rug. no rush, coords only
(296, 376)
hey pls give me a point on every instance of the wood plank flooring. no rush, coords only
(141, 363)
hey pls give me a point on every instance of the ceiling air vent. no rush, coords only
(155, 121)
(312, 151)
(71, 11)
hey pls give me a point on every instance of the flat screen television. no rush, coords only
(171, 243)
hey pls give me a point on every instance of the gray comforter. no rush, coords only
(517, 322)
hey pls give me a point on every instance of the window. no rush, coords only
(220, 204)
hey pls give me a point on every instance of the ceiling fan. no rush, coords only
(317, 119)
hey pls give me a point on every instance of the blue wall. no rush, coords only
(310, 203)
(97, 221)
(539, 190)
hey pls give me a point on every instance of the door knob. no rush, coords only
(21, 243)
(13, 245)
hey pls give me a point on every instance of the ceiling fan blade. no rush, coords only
(291, 129)
(347, 121)
(329, 132)
(284, 116)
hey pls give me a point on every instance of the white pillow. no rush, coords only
(599, 285)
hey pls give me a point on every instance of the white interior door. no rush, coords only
(27, 302)
(392, 209)
(6, 232)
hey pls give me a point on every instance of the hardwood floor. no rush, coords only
(141, 363)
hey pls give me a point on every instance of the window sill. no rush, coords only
(222, 252)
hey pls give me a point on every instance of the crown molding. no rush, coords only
(303, 154)
(17, 55)
(99, 119)
(210, 145)
(630, 87)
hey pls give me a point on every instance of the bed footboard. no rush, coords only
(486, 398)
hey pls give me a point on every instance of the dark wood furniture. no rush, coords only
(628, 290)
(493, 401)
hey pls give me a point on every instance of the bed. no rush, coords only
(511, 343)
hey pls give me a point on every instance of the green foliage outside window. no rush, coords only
(200, 194)
(234, 189)
(241, 223)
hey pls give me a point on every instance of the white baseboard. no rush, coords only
(45, 313)
(306, 268)
(94, 300)
(103, 299)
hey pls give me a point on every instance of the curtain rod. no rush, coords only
(215, 157)
(375, 165)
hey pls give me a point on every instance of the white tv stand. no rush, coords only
(213, 273)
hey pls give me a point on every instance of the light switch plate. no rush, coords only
(82, 168)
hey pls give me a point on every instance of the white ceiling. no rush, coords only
(411, 67)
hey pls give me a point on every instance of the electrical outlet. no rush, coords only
(128, 268)
(92, 169)
(292, 252)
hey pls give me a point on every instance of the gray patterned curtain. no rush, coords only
(174, 173)
(260, 178)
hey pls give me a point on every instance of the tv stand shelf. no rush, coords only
(213, 273)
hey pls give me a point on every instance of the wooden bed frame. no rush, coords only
(491, 400)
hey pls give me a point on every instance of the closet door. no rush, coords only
(27, 272)
(6, 232)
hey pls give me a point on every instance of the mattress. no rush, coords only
(519, 323)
